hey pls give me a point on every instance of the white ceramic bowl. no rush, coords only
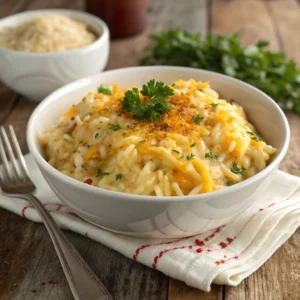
(150, 216)
(36, 75)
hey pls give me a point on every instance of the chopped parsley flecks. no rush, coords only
(198, 119)
(115, 127)
(210, 155)
(101, 173)
(119, 176)
(237, 170)
(104, 90)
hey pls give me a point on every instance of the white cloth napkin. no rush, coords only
(225, 255)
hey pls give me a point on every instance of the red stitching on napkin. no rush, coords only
(161, 253)
(24, 209)
(73, 214)
(138, 250)
(221, 261)
(230, 240)
(59, 206)
(199, 242)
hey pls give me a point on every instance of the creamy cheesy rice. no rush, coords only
(201, 145)
(47, 33)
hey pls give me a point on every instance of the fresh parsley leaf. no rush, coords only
(175, 151)
(229, 183)
(104, 90)
(198, 119)
(255, 137)
(237, 170)
(96, 135)
(131, 100)
(267, 70)
(156, 89)
(101, 173)
(154, 107)
(119, 176)
(193, 145)
(214, 105)
(115, 127)
(190, 156)
(210, 155)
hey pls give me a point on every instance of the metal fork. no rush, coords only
(15, 182)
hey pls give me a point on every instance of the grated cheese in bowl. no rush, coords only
(47, 33)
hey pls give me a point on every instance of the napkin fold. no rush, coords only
(226, 255)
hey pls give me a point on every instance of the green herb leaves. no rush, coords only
(104, 90)
(152, 109)
(115, 127)
(267, 70)
(119, 176)
(131, 100)
(188, 157)
(210, 155)
(214, 105)
(237, 170)
(197, 119)
(101, 173)
(254, 137)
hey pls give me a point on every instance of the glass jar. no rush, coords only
(123, 17)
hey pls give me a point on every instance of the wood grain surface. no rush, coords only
(27, 255)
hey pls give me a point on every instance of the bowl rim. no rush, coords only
(100, 40)
(41, 161)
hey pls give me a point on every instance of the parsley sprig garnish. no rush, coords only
(154, 107)
(237, 170)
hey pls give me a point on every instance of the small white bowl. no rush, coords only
(150, 216)
(36, 75)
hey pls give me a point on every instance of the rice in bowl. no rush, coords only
(200, 145)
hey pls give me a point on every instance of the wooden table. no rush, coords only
(27, 255)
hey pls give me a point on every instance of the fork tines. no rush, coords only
(14, 168)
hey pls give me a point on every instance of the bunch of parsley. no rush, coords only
(269, 71)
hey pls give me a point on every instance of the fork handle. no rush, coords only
(84, 284)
